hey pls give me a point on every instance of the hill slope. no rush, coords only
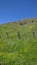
(15, 51)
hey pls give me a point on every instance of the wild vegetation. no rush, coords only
(18, 43)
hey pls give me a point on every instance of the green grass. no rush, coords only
(14, 51)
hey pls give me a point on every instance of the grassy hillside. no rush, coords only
(15, 51)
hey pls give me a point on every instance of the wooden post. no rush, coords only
(7, 34)
(0, 36)
(33, 33)
(19, 35)
(32, 21)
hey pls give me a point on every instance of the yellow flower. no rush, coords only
(25, 50)
(30, 27)
(0, 54)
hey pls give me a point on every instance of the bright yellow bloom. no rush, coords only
(30, 27)
(25, 50)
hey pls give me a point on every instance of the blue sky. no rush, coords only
(12, 10)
